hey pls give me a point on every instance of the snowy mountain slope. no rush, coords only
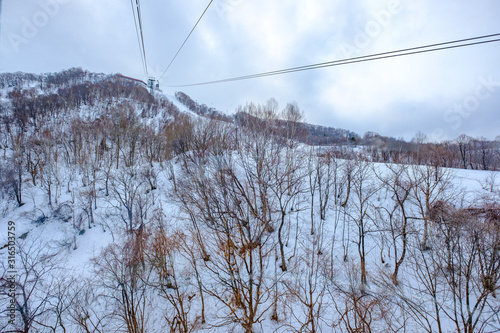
(131, 216)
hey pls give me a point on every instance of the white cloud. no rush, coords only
(239, 37)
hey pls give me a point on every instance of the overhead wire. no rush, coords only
(140, 35)
(366, 58)
(185, 40)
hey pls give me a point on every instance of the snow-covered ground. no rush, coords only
(235, 230)
(335, 273)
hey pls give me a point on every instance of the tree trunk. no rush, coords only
(280, 241)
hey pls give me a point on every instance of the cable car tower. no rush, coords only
(153, 84)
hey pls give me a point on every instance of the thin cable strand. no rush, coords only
(377, 56)
(142, 37)
(138, 39)
(180, 48)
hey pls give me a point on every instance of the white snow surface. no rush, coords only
(63, 236)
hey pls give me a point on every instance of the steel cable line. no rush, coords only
(185, 40)
(140, 35)
(377, 56)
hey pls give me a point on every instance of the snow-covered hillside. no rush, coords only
(123, 212)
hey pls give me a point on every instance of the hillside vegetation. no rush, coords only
(135, 214)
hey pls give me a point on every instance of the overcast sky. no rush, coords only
(443, 94)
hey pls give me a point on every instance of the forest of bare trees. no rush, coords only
(219, 225)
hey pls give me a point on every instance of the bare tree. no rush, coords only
(189, 252)
(125, 280)
(454, 284)
(87, 311)
(396, 218)
(363, 188)
(463, 142)
(164, 255)
(15, 174)
(274, 166)
(313, 175)
(431, 185)
(129, 191)
(306, 288)
(61, 299)
(223, 200)
(348, 171)
(286, 185)
(327, 170)
(357, 309)
(34, 284)
(470, 265)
